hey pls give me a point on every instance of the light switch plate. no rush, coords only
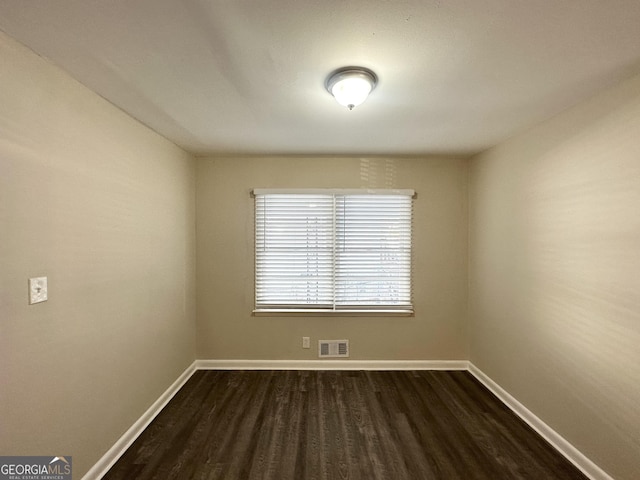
(38, 290)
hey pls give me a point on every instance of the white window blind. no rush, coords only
(333, 250)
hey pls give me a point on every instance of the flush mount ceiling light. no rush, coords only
(351, 85)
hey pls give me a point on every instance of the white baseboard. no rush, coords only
(572, 454)
(117, 450)
(332, 364)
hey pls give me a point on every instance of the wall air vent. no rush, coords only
(333, 348)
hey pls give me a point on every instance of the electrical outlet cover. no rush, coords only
(38, 290)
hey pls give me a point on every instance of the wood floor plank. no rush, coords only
(336, 425)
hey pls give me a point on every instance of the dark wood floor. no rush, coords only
(338, 425)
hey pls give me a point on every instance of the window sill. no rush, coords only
(331, 313)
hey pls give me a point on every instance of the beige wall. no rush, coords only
(106, 209)
(226, 328)
(555, 274)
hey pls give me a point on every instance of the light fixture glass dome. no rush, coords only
(351, 86)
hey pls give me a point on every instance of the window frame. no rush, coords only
(370, 310)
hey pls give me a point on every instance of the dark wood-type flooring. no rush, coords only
(338, 425)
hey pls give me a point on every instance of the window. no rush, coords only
(333, 251)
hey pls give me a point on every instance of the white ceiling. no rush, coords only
(247, 76)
